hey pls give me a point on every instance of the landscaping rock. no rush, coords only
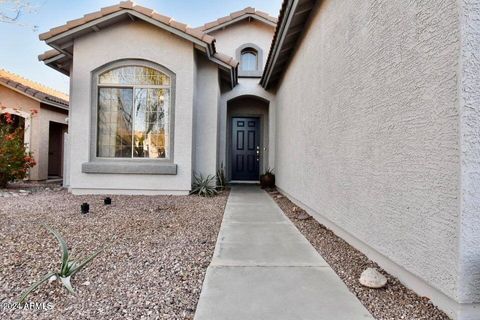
(371, 278)
(147, 269)
(303, 216)
(390, 303)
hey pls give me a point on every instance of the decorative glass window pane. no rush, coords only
(134, 75)
(151, 123)
(249, 60)
(114, 136)
(133, 113)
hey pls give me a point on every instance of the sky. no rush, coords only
(20, 46)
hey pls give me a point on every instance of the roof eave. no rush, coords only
(33, 97)
(238, 19)
(293, 17)
(63, 40)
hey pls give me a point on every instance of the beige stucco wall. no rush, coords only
(228, 41)
(37, 134)
(207, 93)
(131, 41)
(469, 106)
(247, 88)
(45, 117)
(235, 35)
(368, 137)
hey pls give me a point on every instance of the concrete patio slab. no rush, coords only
(263, 268)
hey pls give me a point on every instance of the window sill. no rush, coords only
(121, 167)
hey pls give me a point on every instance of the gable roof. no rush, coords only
(33, 89)
(61, 38)
(237, 16)
(294, 15)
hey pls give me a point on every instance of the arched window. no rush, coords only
(249, 59)
(133, 113)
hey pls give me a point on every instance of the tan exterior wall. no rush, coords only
(45, 117)
(235, 35)
(132, 41)
(228, 41)
(205, 132)
(368, 136)
(37, 124)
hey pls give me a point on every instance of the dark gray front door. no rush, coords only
(245, 148)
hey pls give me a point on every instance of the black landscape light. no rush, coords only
(107, 201)
(85, 207)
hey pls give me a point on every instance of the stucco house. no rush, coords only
(42, 113)
(367, 110)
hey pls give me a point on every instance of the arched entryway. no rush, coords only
(247, 138)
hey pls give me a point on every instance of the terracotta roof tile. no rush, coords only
(32, 88)
(145, 11)
(75, 23)
(91, 16)
(178, 25)
(237, 14)
(226, 59)
(48, 54)
(109, 9)
(121, 6)
(129, 5)
(126, 4)
(208, 38)
(160, 17)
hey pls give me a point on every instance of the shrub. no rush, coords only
(204, 186)
(14, 158)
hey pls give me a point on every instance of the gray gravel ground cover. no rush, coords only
(153, 270)
(392, 302)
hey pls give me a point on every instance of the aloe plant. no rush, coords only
(68, 268)
(204, 186)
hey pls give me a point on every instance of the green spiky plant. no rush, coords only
(68, 268)
(204, 186)
(221, 181)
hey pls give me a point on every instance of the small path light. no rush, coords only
(85, 207)
(107, 201)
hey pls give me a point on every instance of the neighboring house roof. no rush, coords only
(34, 90)
(61, 38)
(294, 14)
(237, 16)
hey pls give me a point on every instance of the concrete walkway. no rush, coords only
(263, 268)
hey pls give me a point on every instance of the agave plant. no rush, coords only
(221, 181)
(68, 268)
(204, 186)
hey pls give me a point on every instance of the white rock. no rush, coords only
(52, 278)
(86, 283)
(371, 278)
(23, 191)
